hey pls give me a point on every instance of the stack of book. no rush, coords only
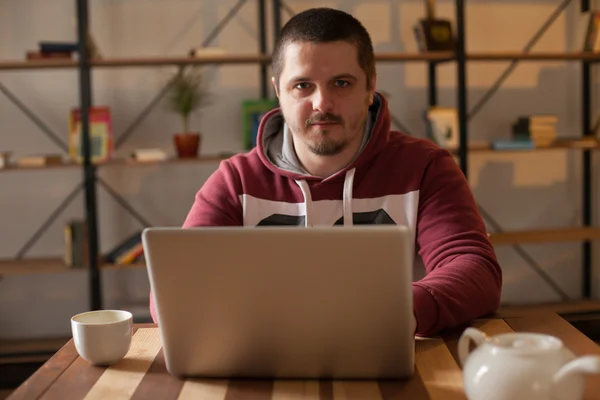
(128, 252)
(63, 50)
(530, 132)
(539, 129)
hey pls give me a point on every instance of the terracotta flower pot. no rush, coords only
(187, 144)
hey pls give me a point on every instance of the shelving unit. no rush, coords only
(586, 233)
(85, 66)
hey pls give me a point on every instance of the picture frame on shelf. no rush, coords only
(252, 112)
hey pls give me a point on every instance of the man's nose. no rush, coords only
(322, 101)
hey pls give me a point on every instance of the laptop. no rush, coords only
(284, 302)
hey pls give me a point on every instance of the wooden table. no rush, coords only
(142, 374)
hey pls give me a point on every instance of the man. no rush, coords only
(327, 157)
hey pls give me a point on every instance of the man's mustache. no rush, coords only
(323, 118)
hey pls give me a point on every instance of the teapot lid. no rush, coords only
(526, 342)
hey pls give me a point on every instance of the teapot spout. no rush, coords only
(580, 366)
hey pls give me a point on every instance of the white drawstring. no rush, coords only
(307, 200)
(346, 202)
(347, 199)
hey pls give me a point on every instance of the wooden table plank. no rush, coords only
(552, 324)
(355, 390)
(121, 380)
(199, 389)
(406, 389)
(451, 338)
(249, 389)
(76, 380)
(325, 389)
(158, 382)
(440, 373)
(295, 390)
(38, 383)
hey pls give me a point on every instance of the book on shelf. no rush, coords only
(513, 144)
(100, 132)
(149, 155)
(76, 244)
(40, 55)
(57, 47)
(39, 160)
(129, 251)
(206, 51)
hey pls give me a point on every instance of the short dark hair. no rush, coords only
(322, 25)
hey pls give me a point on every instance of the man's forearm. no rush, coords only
(465, 288)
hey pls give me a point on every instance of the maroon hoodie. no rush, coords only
(394, 179)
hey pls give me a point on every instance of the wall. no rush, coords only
(520, 191)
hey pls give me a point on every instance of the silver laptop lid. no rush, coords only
(284, 302)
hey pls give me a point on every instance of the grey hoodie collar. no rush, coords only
(279, 144)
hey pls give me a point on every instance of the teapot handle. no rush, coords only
(463, 343)
(581, 365)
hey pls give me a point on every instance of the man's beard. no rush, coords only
(322, 145)
(326, 146)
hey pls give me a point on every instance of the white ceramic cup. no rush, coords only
(102, 337)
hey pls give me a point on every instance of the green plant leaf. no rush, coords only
(187, 93)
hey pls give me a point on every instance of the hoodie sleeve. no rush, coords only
(216, 204)
(463, 278)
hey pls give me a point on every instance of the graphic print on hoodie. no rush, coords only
(395, 179)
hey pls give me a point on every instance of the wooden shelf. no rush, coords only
(125, 266)
(178, 61)
(562, 308)
(234, 59)
(33, 266)
(231, 59)
(545, 236)
(426, 56)
(126, 162)
(572, 144)
(29, 350)
(56, 265)
(37, 64)
(535, 56)
(250, 59)
(53, 265)
(198, 160)
(15, 168)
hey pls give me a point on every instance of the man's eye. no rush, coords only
(302, 85)
(342, 83)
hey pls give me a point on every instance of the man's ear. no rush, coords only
(275, 86)
(372, 90)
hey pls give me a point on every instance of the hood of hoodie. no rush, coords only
(276, 149)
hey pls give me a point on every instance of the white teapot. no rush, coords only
(516, 366)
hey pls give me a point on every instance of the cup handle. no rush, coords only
(469, 334)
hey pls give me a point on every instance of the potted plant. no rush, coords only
(186, 96)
